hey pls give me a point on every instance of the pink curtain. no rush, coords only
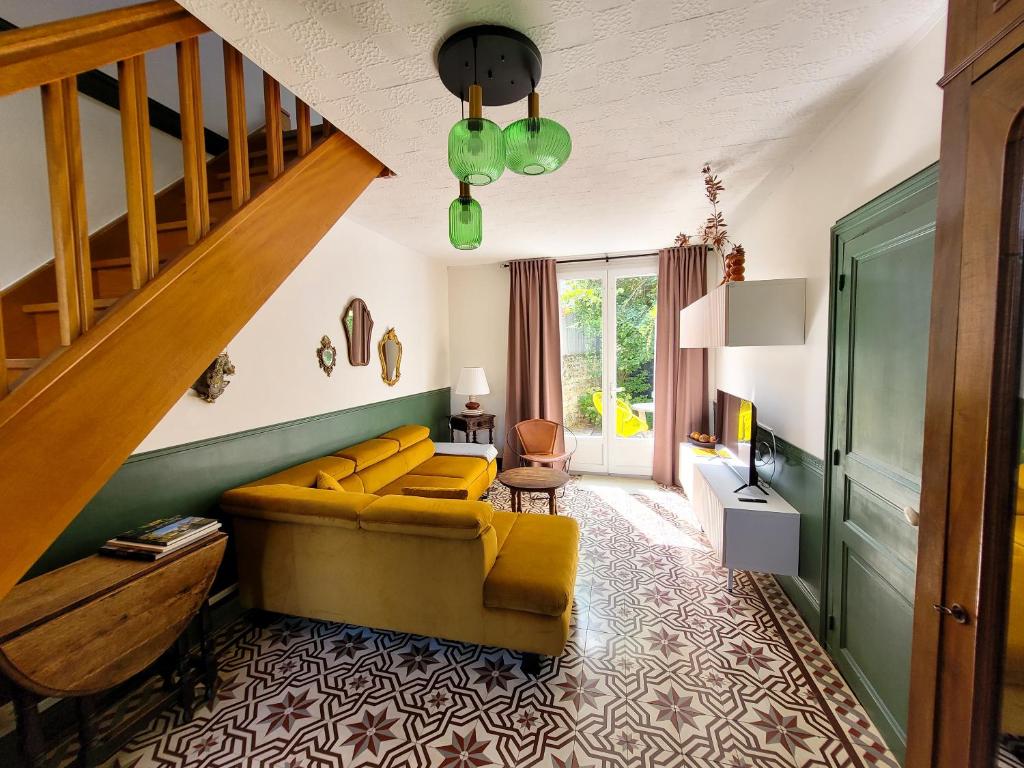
(680, 375)
(534, 355)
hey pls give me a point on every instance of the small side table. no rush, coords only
(470, 425)
(521, 480)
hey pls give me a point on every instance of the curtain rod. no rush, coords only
(606, 257)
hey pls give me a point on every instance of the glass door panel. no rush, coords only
(582, 305)
(607, 335)
(632, 399)
(1007, 421)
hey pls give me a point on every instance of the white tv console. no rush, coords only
(746, 536)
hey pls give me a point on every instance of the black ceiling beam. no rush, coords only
(104, 89)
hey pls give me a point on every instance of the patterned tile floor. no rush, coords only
(664, 668)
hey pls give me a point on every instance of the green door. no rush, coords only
(881, 307)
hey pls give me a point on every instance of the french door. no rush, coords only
(608, 316)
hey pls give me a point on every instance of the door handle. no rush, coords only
(912, 516)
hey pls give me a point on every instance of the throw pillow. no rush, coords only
(436, 493)
(327, 483)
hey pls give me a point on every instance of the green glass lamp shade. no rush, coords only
(465, 223)
(536, 145)
(476, 151)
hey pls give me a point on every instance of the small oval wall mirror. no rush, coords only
(358, 325)
(390, 349)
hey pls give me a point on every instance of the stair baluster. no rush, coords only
(238, 141)
(303, 136)
(193, 142)
(275, 143)
(143, 249)
(67, 203)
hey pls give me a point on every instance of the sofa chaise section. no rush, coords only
(408, 564)
(439, 567)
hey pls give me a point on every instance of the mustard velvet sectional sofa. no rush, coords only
(367, 555)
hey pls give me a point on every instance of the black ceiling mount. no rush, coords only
(504, 62)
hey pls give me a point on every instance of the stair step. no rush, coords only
(21, 363)
(123, 261)
(224, 194)
(261, 153)
(258, 170)
(52, 306)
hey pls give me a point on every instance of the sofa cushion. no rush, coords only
(407, 435)
(376, 476)
(305, 474)
(535, 570)
(289, 503)
(420, 481)
(369, 452)
(467, 467)
(327, 483)
(502, 524)
(435, 493)
(435, 518)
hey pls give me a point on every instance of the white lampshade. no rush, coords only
(472, 381)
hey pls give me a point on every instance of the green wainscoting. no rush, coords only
(189, 479)
(800, 479)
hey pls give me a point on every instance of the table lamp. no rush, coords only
(472, 382)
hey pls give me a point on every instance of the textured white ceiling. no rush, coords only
(649, 89)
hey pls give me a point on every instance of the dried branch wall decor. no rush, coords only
(326, 355)
(713, 232)
(213, 381)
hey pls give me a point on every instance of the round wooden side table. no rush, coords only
(533, 480)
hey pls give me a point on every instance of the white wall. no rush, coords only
(888, 133)
(278, 378)
(25, 214)
(478, 310)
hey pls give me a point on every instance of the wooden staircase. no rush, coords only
(31, 308)
(98, 344)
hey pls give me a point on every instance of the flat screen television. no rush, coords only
(736, 427)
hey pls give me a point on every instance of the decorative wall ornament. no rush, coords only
(213, 381)
(358, 324)
(390, 350)
(326, 355)
(713, 232)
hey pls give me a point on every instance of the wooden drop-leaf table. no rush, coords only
(92, 625)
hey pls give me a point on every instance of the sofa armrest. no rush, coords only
(296, 504)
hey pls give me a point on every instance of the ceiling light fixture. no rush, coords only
(465, 220)
(492, 66)
(536, 145)
(476, 147)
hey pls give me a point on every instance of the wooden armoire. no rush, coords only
(961, 676)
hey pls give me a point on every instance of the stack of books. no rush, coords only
(160, 537)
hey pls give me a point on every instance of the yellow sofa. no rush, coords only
(445, 568)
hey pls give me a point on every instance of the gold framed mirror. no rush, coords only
(326, 355)
(358, 325)
(390, 350)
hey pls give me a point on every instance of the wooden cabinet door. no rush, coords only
(970, 430)
(881, 310)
